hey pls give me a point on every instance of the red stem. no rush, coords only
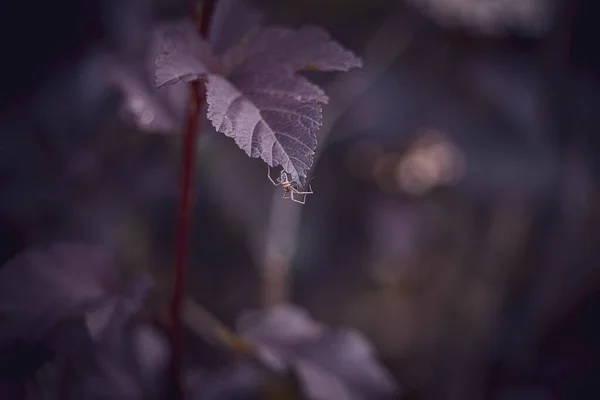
(196, 103)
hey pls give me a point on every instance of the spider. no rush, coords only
(290, 188)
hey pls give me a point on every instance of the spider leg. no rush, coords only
(287, 194)
(269, 176)
(310, 191)
(303, 201)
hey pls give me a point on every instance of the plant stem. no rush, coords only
(196, 104)
(208, 8)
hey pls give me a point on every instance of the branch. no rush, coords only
(197, 100)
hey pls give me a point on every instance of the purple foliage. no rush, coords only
(329, 363)
(253, 92)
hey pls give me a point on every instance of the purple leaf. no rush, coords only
(45, 285)
(270, 48)
(128, 363)
(128, 360)
(331, 364)
(280, 130)
(271, 112)
(242, 380)
(259, 101)
(121, 360)
(117, 308)
(180, 54)
(62, 294)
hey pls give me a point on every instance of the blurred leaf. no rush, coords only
(117, 308)
(128, 363)
(531, 17)
(330, 364)
(180, 54)
(45, 285)
(67, 299)
(238, 381)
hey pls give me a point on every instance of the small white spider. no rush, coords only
(290, 188)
